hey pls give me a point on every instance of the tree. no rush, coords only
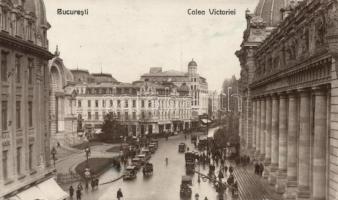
(112, 128)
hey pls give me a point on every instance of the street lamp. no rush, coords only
(229, 88)
(87, 151)
(53, 152)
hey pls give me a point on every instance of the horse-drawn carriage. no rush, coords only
(185, 190)
(148, 169)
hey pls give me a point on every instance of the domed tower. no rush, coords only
(192, 67)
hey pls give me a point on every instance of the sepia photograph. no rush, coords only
(169, 100)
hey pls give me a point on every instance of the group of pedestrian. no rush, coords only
(259, 168)
(78, 192)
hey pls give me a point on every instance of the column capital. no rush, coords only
(282, 95)
(291, 93)
(320, 90)
(304, 92)
(274, 96)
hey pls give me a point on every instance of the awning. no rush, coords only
(98, 131)
(52, 190)
(47, 190)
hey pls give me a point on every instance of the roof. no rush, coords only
(167, 73)
(270, 11)
(192, 63)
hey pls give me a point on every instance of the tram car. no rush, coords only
(181, 147)
(189, 162)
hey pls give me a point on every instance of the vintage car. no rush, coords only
(181, 147)
(137, 162)
(155, 142)
(152, 148)
(143, 157)
(185, 190)
(146, 152)
(148, 169)
(130, 173)
(190, 162)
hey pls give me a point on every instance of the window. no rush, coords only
(119, 103)
(142, 103)
(18, 68)
(126, 116)
(134, 115)
(111, 103)
(4, 115)
(96, 103)
(89, 103)
(103, 114)
(30, 157)
(79, 103)
(18, 114)
(4, 67)
(134, 103)
(126, 104)
(5, 165)
(143, 115)
(30, 114)
(149, 104)
(30, 71)
(89, 115)
(18, 160)
(96, 116)
(103, 103)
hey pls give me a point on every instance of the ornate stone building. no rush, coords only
(289, 93)
(197, 84)
(25, 158)
(143, 107)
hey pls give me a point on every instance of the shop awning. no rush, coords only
(52, 190)
(47, 190)
(206, 121)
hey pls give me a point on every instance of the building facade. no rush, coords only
(198, 86)
(25, 158)
(214, 105)
(289, 92)
(143, 107)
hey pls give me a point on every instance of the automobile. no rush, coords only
(146, 151)
(181, 147)
(137, 162)
(147, 169)
(185, 190)
(130, 173)
(155, 144)
(152, 148)
(143, 157)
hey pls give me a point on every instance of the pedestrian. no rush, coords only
(71, 192)
(79, 186)
(220, 175)
(58, 144)
(197, 196)
(86, 185)
(119, 194)
(166, 161)
(206, 198)
(261, 166)
(225, 169)
(231, 169)
(78, 194)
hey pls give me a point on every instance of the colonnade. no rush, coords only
(290, 134)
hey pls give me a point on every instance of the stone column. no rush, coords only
(254, 114)
(282, 150)
(268, 120)
(304, 146)
(262, 132)
(319, 145)
(292, 147)
(274, 139)
(258, 129)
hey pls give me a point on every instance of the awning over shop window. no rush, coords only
(47, 190)
(52, 190)
(205, 121)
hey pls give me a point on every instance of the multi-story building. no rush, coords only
(25, 156)
(144, 107)
(214, 105)
(198, 86)
(290, 92)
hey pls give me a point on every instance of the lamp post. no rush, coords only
(87, 151)
(229, 88)
(53, 152)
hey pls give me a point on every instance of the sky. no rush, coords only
(127, 37)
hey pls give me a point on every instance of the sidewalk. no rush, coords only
(253, 187)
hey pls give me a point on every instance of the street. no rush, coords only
(164, 184)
